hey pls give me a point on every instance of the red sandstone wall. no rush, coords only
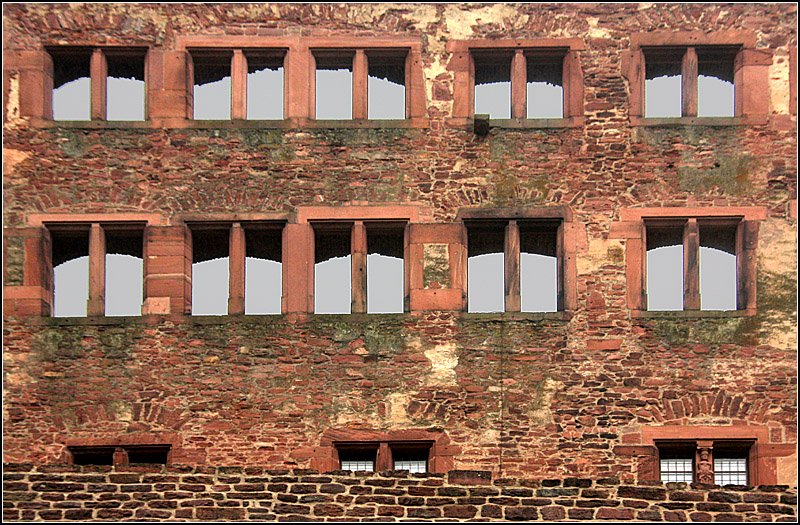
(533, 397)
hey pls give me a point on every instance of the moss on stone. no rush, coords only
(731, 174)
(58, 342)
(14, 261)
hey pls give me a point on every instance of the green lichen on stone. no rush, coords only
(616, 254)
(777, 295)
(679, 331)
(341, 137)
(53, 343)
(731, 174)
(117, 342)
(72, 143)
(14, 261)
(436, 266)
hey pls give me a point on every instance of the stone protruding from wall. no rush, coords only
(64, 492)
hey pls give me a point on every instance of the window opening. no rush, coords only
(212, 85)
(715, 86)
(357, 459)
(538, 267)
(493, 84)
(265, 85)
(386, 85)
(147, 454)
(544, 86)
(72, 85)
(412, 458)
(124, 272)
(125, 87)
(385, 269)
(92, 455)
(332, 269)
(486, 267)
(677, 463)
(718, 276)
(663, 83)
(210, 271)
(665, 267)
(334, 86)
(70, 272)
(263, 271)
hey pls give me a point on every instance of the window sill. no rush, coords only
(699, 121)
(95, 321)
(692, 314)
(519, 123)
(516, 316)
(178, 123)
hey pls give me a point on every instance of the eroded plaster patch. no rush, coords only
(598, 253)
(444, 359)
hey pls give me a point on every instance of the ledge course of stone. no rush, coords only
(153, 493)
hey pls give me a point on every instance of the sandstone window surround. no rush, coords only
(734, 50)
(551, 227)
(743, 222)
(211, 239)
(524, 55)
(137, 448)
(384, 450)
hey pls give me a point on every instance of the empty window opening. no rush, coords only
(148, 454)
(212, 85)
(677, 464)
(332, 270)
(263, 271)
(662, 88)
(125, 88)
(412, 458)
(665, 268)
(538, 267)
(334, 86)
(70, 272)
(124, 272)
(718, 277)
(357, 459)
(265, 85)
(493, 85)
(486, 267)
(92, 455)
(210, 271)
(72, 85)
(386, 86)
(715, 89)
(385, 272)
(544, 87)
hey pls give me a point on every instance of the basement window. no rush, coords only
(676, 463)
(719, 462)
(212, 84)
(357, 458)
(514, 266)
(334, 85)
(120, 455)
(412, 457)
(693, 265)
(92, 455)
(97, 269)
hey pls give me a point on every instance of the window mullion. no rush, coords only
(236, 260)
(360, 85)
(519, 76)
(97, 271)
(689, 83)
(512, 262)
(358, 249)
(238, 85)
(691, 266)
(98, 71)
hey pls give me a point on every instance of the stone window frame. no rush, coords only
(566, 253)
(237, 250)
(632, 227)
(441, 454)
(462, 64)
(39, 279)
(751, 76)
(122, 444)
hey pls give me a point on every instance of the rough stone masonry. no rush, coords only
(576, 408)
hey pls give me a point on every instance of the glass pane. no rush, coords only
(545, 100)
(665, 278)
(71, 288)
(538, 275)
(72, 101)
(265, 94)
(358, 465)
(714, 97)
(730, 471)
(385, 280)
(676, 470)
(212, 101)
(663, 97)
(125, 99)
(210, 287)
(486, 283)
(334, 94)
(263, 286)
(332, 286)
(412, 465)
(717, 279)
(124, 284)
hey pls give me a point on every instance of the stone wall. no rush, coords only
(61, 492)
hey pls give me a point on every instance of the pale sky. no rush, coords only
(385, 294)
